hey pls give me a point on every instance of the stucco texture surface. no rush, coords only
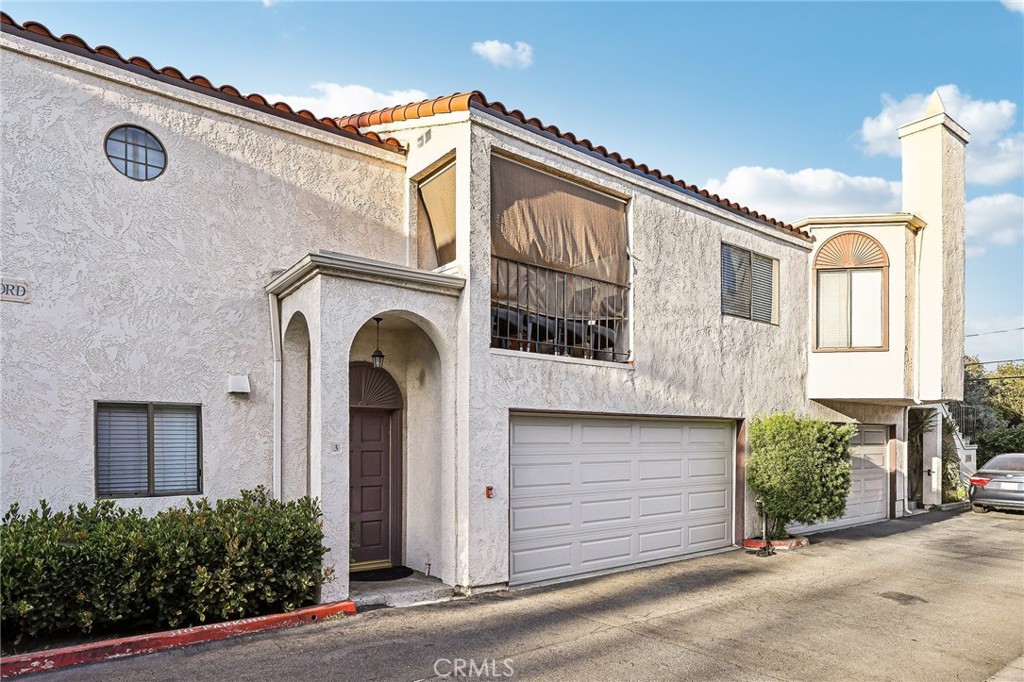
(153, 291)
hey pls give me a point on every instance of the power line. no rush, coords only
(993, 362)
(1016, 376)
(998, 331)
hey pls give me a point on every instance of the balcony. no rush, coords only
(536, 309)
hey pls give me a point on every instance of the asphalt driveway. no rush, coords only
(930, 598)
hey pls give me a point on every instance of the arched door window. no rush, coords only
(851, 274)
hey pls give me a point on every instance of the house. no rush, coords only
(496, 352)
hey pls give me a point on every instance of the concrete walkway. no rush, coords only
(931, 598)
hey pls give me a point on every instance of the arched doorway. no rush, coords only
(375, 467)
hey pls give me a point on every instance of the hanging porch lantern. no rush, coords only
(377, 357)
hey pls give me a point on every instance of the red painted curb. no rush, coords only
(40, 661)
(791, 543)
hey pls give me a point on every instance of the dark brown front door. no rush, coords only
(370, 485)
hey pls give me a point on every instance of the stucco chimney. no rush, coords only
(934, 189)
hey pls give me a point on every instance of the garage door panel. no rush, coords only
(606, 549)
(605, 435)
(659, 505)
(606, 511)
(634, 491)
(708, 533)
(533, 476)
(543, 433)
(711, 500)
(710, 435)
(666, 540)
(706, 468)
(606, 472)
(544, 516)
(651, 434)
(661, 469)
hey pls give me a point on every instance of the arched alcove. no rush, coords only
(295, 409)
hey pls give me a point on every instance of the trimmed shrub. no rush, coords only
(102, 566)
(799, 468)
(999, 440)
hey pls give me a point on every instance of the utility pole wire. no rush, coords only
(998, 331)
(1018, 376)
(993, 362)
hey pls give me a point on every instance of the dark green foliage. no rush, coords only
(102, 566)
(999, 440)
(799, 468)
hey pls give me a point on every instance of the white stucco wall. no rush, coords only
(690, 360)
(153, 291)
(867, 375)
(934, 185)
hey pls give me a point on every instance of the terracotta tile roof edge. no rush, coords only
(69, 42)
(464, 101)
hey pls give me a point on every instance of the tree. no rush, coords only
(1006, 392)
(799, 468)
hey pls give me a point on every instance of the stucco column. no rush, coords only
(932, 462)
(329, 470)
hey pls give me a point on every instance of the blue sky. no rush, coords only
(789, 108)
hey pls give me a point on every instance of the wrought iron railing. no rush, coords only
(537, 309)
(966, 418)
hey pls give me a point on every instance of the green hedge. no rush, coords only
(103, 566)
(799, 468)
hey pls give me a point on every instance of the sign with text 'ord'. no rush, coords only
(14, 290)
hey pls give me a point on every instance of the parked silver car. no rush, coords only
(999, 484)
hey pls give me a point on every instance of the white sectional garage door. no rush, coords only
(868, 499)
(591, 494)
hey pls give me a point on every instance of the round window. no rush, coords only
(136, 152)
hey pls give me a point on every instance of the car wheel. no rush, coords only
(978, 509)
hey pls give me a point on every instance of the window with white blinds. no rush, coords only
(749, 284)
(147, 449)
(850, 308)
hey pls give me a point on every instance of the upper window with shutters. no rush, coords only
(750, 285)
(851, 277)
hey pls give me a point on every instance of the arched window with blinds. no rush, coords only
(851, 276)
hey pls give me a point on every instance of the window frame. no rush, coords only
(818, 348)
(776, 295)
(110, 159)
(150, 446)
(881, 263)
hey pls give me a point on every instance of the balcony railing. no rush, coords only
(536, 309)
(966, 418)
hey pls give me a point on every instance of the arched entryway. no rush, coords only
(375, 467)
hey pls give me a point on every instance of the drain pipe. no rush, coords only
(275, 333)
(906, 460)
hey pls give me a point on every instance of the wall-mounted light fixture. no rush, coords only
(377, 357)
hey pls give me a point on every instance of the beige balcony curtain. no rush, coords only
(543, 220)
(436, 226)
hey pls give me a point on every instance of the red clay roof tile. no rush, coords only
(37, 32)
(463, 101)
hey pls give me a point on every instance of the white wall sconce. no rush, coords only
(238, 384)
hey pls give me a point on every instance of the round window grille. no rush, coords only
(136, 152)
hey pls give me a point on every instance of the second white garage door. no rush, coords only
(868, 485)
(591, 494)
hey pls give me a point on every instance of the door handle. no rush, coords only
(928, 472)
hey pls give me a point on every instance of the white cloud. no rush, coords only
(995, 153)
(505, 55)
(809, 192)
(1014, 5)
(995, 219)
(335, 99)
